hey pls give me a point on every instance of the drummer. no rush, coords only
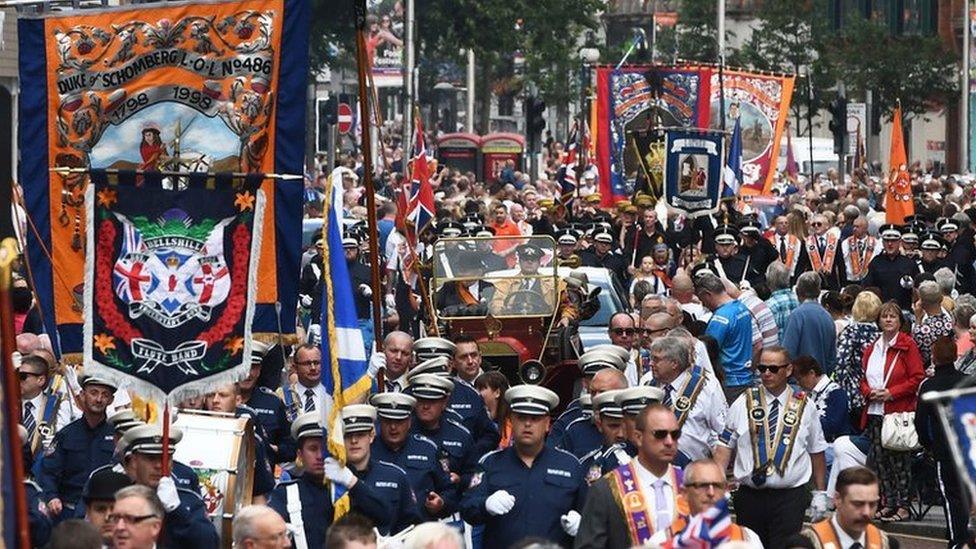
(186, 523)
(227, 399)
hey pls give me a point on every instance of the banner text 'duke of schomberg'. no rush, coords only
(215, 87)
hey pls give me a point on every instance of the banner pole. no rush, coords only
(165, 456)
(11, 392)
(362, 64)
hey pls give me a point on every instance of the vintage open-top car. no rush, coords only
(507, 293)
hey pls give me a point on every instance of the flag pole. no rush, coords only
(362, 65)
(11, 392)
(424, 294)
(165, 456)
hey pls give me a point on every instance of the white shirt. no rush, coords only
(809, 440)
(843, 538)
(875, 373)
(39, 402)
(701, 356)
(697, 311)
(706, 419)
(631, 373)
(647, 480)
(323, 400)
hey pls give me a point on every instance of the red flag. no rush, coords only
(898, 196)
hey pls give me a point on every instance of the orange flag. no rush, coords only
(898, 196)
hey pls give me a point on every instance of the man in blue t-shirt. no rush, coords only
(731, 326)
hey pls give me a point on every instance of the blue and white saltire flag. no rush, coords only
(732, 175)
(344, 362)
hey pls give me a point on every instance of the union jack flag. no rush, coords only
(705, 530)
(420, 206)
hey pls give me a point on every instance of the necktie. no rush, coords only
(822, 245)
(662, 518)
(309, 400)
(667, 394)
(29, 422)
(856, 545)
(773, 420)
(782, 248)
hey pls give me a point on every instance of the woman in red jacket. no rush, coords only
(893, 371)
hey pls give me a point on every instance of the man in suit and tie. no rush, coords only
(308, 392)
(34, 376)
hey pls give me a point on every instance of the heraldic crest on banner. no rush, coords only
(169, 286)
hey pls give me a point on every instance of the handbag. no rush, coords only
(898, 428)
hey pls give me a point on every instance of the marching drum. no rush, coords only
(220, 449)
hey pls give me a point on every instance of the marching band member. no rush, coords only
(272, 413)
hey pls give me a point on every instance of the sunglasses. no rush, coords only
(661, 434)
(24, 375)
(773, 368)
(816, 224)
(623, 331)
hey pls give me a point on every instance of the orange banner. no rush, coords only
(898, 196)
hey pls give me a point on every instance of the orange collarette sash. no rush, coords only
(859, 261)
(826, 263)
(828, 538)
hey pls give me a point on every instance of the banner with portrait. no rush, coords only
(169, 291)
(384, 42)
(625, 104)
(762, 103)
(693, 166)
(185, 87)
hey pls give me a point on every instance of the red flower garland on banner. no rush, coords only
(236, 301)
(113, 320)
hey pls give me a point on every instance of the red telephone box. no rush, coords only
(460, 151)
(497, 149)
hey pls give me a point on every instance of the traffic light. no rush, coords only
(838, 124)
(535, 122)
(331, 111)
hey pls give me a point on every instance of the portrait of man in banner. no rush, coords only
(694, 174)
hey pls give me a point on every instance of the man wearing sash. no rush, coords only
(791, 251)
(695, 397)
(858, 251)
(778, 444)
(823, 246)
(704, 486)
(41, 411)
(850, 526)
(527, 489)
(628, 505)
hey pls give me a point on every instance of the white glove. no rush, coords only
(818, 505)
(365, 290)
(338, 473)
(306, 300)
(570, 523)
(499, 503)
(376, 363)
(390, 301)
(166, 491)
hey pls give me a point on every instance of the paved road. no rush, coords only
(912, 542)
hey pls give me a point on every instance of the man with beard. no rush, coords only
(81, 447)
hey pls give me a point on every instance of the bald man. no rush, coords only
(582, 435)
(395, 360)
